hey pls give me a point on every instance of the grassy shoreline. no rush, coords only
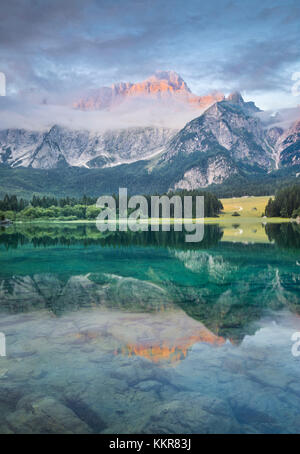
(217, 220)
(249, 209)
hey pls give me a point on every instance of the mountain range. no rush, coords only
(228, 141)
(60, 146)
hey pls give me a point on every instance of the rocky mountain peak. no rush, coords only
(235, 97)
(162, 85)
(171, 78)
(221, 142)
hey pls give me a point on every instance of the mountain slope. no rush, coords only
(288, 146)
(225, 140)
(18, 145)
(76, 181)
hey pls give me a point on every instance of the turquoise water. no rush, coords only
(144, 333)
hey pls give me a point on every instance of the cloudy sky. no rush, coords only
(55, 50)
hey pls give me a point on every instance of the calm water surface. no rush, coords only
(144, 333)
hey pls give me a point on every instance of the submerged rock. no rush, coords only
(45, 415)
(193, 413)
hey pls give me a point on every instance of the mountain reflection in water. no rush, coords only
(124, 331)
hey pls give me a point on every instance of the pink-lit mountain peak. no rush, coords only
(162, 85)
(160, 82)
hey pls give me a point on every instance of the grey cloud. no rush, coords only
(56, 48)
(134, 113)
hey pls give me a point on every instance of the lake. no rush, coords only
(145, 333)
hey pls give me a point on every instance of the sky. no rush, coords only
(54, 51)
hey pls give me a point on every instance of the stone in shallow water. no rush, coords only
(149, 385)
(45, 415)
(23, 354)
(192, 413)
(256, 419)
(271, 376)
(86, 413)
(9, 397)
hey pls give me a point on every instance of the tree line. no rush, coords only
(286, 203)
(12, 203)
(71, 208)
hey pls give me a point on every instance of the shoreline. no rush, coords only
(248, 210)
(219, 220)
